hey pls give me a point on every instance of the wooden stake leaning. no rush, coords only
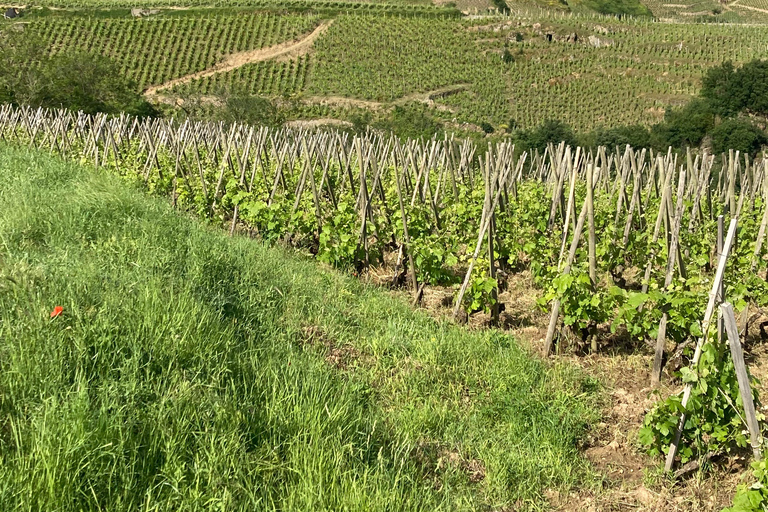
(745, 390)
(484, 225)
(672, 453)
(662, 335)
(566, 270)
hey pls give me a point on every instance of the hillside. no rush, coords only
(190, 370)
(506, 71)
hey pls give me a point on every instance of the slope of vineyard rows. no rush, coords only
(521, 69)
(624, 248)
(396, 255)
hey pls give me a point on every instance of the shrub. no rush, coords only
(410, 121)
(636, 136)
(738, 134)
(78, 81)
(550, 131)
(730, 90)
(684, 127)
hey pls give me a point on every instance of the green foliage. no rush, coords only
(74, 80)
(478, 295)
(754, 497)
(194, 371)
(714, 414)
(338, 243)
(550, 131)
(235, 107)
(730, 90)
(581, 303)
(501, 5)
(387, 58)
(410, 121)
(738, 135)
(636, 136)
(684, 127)
(617, 7)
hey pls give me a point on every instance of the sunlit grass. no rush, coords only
(192, 371)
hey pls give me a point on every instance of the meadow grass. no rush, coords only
(193, 371)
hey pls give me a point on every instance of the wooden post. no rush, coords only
(742, 375)
(719, 274)
(555, 315)
(484, 225)
(591, 242)
(721, 290)
(591, 225)
(661, 338)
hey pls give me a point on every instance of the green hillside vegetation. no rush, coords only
(152, 51)
(505, 71)
(193, 371)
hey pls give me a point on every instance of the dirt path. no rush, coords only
(424, 97)
(236, 60)
(737, 4)
(622, 366)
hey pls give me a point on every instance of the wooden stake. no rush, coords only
(672, 453)
(742, 375)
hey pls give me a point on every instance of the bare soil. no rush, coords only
(632, 480)
(287, 50)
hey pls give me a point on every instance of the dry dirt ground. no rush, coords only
(287, 50)
(631, 479)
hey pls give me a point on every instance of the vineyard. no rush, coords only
(155, 50)
(268, 78)
(150, 362)
(621, 244)
(575, 67)
(443, 213)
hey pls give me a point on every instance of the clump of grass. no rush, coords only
(192, 371)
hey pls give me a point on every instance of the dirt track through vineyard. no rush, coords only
(233, 61)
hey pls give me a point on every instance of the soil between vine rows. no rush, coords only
(632, 479)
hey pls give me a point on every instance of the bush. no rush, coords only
(253, 110)
(487, 127)
(91, 83)
(730, 90)
(636, 136)
(410, 121)
(550, 131)
(684, 127)
(738, 134)
(78, 81)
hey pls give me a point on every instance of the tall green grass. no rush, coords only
(192, 371)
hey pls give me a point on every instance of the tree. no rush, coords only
(738, 134)
(684, 127)
(91, 83)
(410, 121)
(249, 109)
(78, 81)
(730, 90)
(636, 136)
(550, 131)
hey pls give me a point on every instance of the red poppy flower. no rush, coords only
(56, 311)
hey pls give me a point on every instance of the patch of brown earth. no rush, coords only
(632, 480)
(289, 49)
(341, 357)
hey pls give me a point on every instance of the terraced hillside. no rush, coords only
(504, 70)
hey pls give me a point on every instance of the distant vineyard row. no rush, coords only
(588, 70)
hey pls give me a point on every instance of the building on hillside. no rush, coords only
(11, 13)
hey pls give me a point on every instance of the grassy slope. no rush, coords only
(198, 372)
